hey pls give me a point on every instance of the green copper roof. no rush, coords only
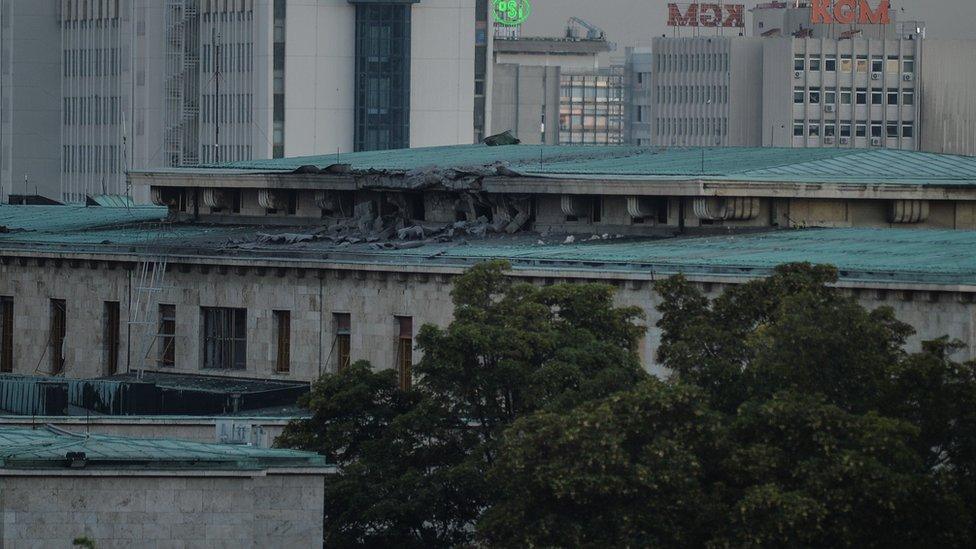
(71, 218)
(914, 256)
(46, 448)
(801, 165)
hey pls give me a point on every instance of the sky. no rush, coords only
(626, 21)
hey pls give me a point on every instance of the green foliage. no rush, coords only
(414, 463)
(794, 418)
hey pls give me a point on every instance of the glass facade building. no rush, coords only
(382, 76)
(591, 108)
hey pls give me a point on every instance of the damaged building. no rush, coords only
(287, 269)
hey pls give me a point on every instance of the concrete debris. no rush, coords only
(569, 239)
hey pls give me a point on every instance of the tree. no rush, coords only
(794, 418)
(413, 464)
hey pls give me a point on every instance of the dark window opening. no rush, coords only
(167, 337)
(6, 334)
(342, 323)
(224, 338)
(382, 100)
(111, 337)
(59, 313)
(416, 205)
(405, 351)
(283, 341)
(596, 213)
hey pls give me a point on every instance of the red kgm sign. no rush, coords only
(847, 12)
(706, 15)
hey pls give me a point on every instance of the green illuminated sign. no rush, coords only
(510, 12)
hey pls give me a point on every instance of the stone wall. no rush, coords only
(162, 512)
(373, 299)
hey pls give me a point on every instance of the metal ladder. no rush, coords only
(143, 315)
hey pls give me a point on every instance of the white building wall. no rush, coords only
(948, 90)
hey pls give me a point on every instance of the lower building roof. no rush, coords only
(54, 448)
(917, 256)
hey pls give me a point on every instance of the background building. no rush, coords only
(97, 87)
(638, 95)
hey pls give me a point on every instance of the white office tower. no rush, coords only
(91, 88)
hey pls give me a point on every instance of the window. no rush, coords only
(798, 95)
(798, 62)
(815, 63)
(167, 336)
(224, 338)
(877, 97)
(814, 97)
(59, 313)
(382, 86)
(798, 128)
(861, 129)
(845, 96)
(908, 65)
(845, 129)
(891, 65)
(6, 334)
(829, 129)
(405, 351)
(830, 97)
(907, 129)
(862, 63)
(891, 129)
(282, 321)
(861, 96)
(111, 335)
(877, 64)
(876, 129)
(341, 323)
(830, 63)
(893, 96)
(813, 128)
(846, 64)
(908, 97)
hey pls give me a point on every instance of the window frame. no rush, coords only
(224, 338)
(282, 339)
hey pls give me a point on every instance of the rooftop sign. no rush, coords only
(847, 12)
(706, 15)
(510, 13)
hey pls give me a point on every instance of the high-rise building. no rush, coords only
(91, 88)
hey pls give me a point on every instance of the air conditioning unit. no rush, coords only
(908, 77)
(828, 140)
(797, 75)
(875, 76)
(875, 141)
(845, 140)
(828, 108)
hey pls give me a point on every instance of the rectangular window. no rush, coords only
(799, 62)
(845, 96)
(892, 98)
(167, 337)
(908, 65)
(6, 334)
(877, 97)
(877, 64)
(405, 351)
(798, 128)
(830, 64)
(891, 65)
(891, 129)
(813, 128)
(846, 64)
(845, 129)
(814, 97)
(876, 129)
(224, 338)
(907, 129)
(829, 129)
(861, 96)
(830, 97)
(862, 63)
(861, 129)
(798, 95)
(342, 325)
(908, 97)
(111, 336)
(59, 319)
(815, 63)
(282, 321)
